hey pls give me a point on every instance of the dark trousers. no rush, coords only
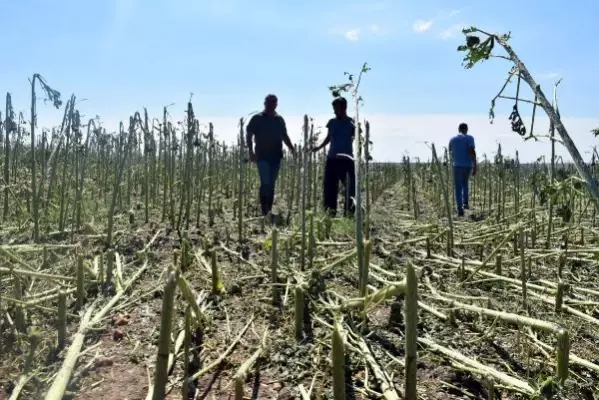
(337, 170)
(268, 169)
(460, 179)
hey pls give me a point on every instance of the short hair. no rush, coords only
(340, 102)
(463, 127)
(271, 97)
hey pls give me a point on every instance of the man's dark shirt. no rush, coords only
(268, 133)
(341, 132)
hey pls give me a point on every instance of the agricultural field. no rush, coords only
(150, 275)
(136, 265)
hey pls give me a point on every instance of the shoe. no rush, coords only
(460, 213)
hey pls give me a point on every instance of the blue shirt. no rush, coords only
(460, 147)
(341, 132)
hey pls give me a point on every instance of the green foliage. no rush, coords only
(51, 94)
(343, 227)
(562, 193)
(477, 50)
(350, 86)
(595, 132)
(545, 388)
(267, 244)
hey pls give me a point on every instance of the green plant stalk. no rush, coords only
(164, 149)
(81, 178)
(70, 132)
(186, 352)
(36, 227)
(211, 155)
(523, 274)
(116, 188)
(507, 380)
(311, 241)
(304, 190)
(241, 194)
(160, 373)
(61, 380)
(190, 297)
(35, 338)
(338, 360)
(363, 290)
(411, 332)
(274, 262)
(363, 272)
(563, 345)
(80, 282)
(19, 312)
(217, 284)
(243, 370)
(375, 298)
(9, 125)
(490, 256)
(367, 178)
(299, 313)
(109, 267)
(147, 145)
(563, 355)
(446, 200)
(61, 321)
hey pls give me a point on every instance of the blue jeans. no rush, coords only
(460, 179)
(268, 169)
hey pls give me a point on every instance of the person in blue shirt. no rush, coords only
(269, 130)
(463, 155)
(339, 165)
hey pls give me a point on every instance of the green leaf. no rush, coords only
(267, 244)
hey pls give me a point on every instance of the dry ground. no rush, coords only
(129, 360)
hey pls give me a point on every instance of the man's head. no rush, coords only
(270, 103)
(340, 107)
(463, 128)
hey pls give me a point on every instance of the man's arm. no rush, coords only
(250, 130)
(450, 147)
(326, 141)
(473, 155)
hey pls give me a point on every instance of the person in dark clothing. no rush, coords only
(463, 156)
(269, 130)
(339, 165)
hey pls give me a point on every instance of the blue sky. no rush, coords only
(123, 55)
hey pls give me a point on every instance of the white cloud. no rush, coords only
(356, 33)
(352, 35)
(395, 135)
(547, 76)
(421, 26)
(451, 32)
